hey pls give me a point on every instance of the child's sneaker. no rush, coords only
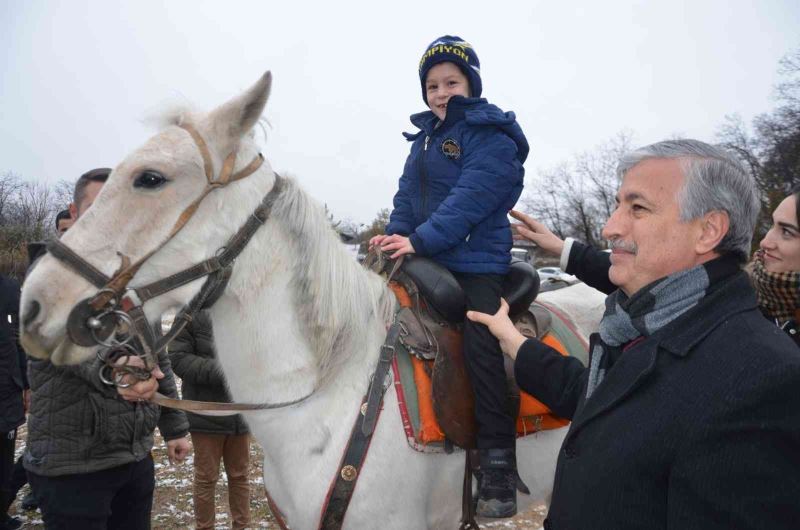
(497, 490)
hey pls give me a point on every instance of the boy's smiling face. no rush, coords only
(444, 81)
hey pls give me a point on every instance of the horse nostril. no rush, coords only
(31, 313)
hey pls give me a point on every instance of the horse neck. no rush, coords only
(298, 311)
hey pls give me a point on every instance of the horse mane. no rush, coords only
(339, 302)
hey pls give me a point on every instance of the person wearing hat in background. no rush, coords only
(775, 269)
(463, 175)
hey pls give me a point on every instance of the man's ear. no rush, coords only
(714, 226)
(73, 211)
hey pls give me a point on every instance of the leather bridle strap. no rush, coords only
(355, 453)
(212, 408)
(65, 254)
(217, 268)
(208, 165)
(220, 267)
(119, 282)
(225, 257)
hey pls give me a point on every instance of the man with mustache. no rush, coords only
(688, 415)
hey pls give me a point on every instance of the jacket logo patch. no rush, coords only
(451, 149)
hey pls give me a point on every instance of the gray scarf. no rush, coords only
(651, 308)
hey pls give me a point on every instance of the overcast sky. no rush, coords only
(78, 77)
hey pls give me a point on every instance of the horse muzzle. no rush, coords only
(43, 336)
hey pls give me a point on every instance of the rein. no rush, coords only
(114, 317)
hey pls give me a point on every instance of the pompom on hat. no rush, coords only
(455, 50)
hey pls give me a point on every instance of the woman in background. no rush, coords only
(775, 269)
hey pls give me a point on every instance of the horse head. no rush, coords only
(153, 191)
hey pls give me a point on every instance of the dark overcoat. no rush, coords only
(12, 359)
(695, 427)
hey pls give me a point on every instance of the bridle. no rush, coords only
(114, 317)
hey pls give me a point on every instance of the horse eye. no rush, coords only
(149, 180)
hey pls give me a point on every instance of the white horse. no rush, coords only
(299, 316)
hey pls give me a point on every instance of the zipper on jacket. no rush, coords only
(423, 177)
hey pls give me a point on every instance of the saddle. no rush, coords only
(432, 312)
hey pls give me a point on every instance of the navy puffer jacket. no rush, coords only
(459, 182)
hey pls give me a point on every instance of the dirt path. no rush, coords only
(172, 503)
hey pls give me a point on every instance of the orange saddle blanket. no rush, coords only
(413, 385)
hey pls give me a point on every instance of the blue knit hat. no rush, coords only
(455, 50)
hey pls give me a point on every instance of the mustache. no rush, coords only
(625, 246)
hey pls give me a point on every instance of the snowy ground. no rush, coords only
(172, 503)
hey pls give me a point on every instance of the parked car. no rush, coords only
(522, 254)
(554, 274)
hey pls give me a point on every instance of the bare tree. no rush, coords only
(576, 197)
(788, 89)
(27, 214)
(62, 193)
(9, 187)
(599, 166)
(376, 227)
(35, 205)
(771, 147)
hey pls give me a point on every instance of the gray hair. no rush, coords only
(714, 180)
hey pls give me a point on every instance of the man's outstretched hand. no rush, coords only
(535, 231)
(502, 328)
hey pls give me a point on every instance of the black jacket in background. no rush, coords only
(194, 359)
(695, 427)
(590, 266)
(12, 358)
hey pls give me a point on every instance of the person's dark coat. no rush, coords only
(12, 359)
(590, 266)
(458, 184)
(77, 424)
(695, 427)
(194, 359)
(792, 328)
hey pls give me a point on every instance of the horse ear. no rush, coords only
(234, 119)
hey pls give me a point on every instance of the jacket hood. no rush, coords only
(475, 111)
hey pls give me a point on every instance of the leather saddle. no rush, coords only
(443, 294)
(431, 330)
